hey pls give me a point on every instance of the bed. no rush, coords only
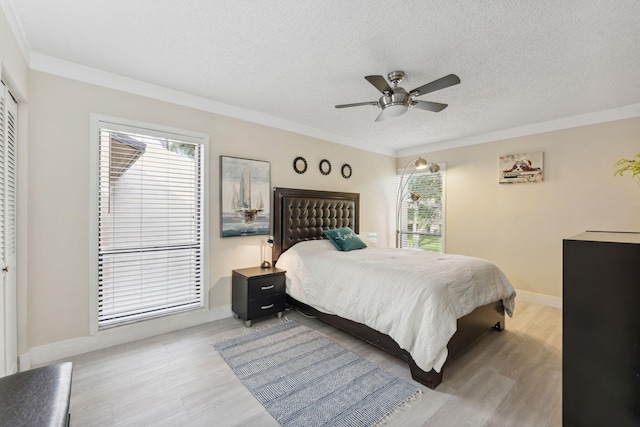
(301, 248)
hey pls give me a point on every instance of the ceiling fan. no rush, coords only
(396, 101)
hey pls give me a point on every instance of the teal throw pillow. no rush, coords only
(344, 239)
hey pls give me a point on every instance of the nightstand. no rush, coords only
(257, 292)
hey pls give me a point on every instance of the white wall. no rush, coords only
(59, 204)
(520, 227)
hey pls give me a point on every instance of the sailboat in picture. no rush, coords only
(241, 202)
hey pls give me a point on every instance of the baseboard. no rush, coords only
(48, 353)
(24, 363)
(539, 298)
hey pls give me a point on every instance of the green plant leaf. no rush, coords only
(628, 165)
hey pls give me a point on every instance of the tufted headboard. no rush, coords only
(301, 215)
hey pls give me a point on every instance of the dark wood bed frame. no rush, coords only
(301, 215)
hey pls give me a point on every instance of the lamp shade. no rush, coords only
(434, 167)
(420, 163)
(268, 244)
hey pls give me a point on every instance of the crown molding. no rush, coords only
(611, 115)
(97, 77)
(55, 66)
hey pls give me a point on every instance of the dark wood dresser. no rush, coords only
(257, 292)
(601, 330)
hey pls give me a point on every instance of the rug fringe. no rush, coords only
(249, 331)
(406, 404)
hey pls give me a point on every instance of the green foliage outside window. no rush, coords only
(427, 243)
(186, 150)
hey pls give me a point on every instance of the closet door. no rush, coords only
(8, 318)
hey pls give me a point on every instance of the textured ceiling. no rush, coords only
(289, 62)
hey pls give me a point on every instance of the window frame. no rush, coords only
(403, 205)
(98, 121)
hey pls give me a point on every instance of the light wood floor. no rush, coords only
(508, 378)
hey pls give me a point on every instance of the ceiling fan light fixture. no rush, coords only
(395, 110)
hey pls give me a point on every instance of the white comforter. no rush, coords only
(413, 296)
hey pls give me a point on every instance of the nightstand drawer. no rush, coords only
(261, 287)
(266, 306)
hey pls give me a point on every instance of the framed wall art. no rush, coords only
(300, 165)
(245, 189)
(325, 167)
(519, 168)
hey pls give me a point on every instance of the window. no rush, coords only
(150, 229)
(421, 219)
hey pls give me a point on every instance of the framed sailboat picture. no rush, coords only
(244, 197)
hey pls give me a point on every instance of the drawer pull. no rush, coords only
(266, 288)
(267, 307)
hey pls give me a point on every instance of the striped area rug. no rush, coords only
(305, 379)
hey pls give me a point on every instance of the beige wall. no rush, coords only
(520, 227)
(59, 208)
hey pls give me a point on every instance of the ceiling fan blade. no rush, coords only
(380, 83)
(382, 116)
(435, 85)
(436, 107)
(357, 104)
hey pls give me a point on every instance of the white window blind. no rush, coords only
(150, 225)
(8, 175)
(3, 145)
(8, 126)
(421, 220)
